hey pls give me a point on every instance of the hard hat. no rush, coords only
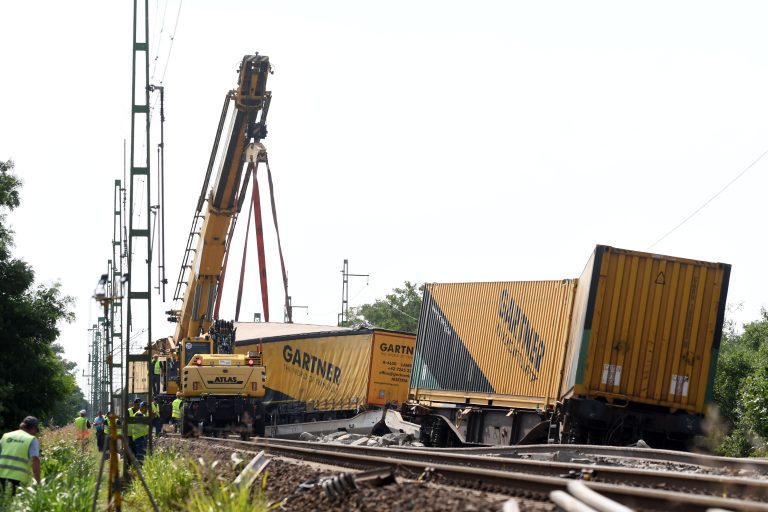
(143, 404)
(82, 412)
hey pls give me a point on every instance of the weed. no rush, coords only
(68, 477)
(178, 482)
(218, 492)
(169, 476)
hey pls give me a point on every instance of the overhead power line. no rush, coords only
(697, 210)
(401, 311)
(157, 38)
(172, 38)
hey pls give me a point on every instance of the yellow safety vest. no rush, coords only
(157, 367)
(15, 462)
(156, 409)
(80, 423)
(131, 426)
(140, 431)
(176, 412)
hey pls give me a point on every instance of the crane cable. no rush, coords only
(288, 310)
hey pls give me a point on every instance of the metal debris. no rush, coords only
(253, 469)
(584, 499)
(338, 486)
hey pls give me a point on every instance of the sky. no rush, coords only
(430, 141)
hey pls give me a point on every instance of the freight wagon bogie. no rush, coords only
(479, 426)
(596, 421)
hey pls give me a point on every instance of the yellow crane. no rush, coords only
(221, 391)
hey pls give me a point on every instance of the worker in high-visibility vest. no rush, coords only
(131, 427)
(156, 418)
(176, 411)
(140, 433)
(82, 426)
(106, 429)
(20, 456)
(156, 370)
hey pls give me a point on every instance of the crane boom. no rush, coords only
(247, 127)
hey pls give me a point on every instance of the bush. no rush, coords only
(741, 390)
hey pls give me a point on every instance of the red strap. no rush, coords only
(242, 265)
(260, 247)
(288, 308)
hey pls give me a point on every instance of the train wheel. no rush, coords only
(258, 427)
(571, 432)
(243, 429)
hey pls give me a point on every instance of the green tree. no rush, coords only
(33, 377)
(741, 388)
(66, 410)
(735, 363)
(398, 311)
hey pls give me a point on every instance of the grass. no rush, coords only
(169, 475)
(68, 477)
(177, 481)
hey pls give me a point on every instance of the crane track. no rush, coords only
(638, 488)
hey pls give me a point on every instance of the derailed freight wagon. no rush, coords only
(642, 349)
(625, 352)
(320, 373)
(488, 359)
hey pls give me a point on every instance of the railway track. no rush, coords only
(733, 464)
(637, 488)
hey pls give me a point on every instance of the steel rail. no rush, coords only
(455, 468)
(715, 485)
(587, 450)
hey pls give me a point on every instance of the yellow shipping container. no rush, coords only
(646, 329)
(492, 344)
(332, 369)
(390, 371)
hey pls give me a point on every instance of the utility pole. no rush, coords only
(97, 359)
(139, 187)
(93, 377)
(288, 318)
(345, 275)
(115, 277)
